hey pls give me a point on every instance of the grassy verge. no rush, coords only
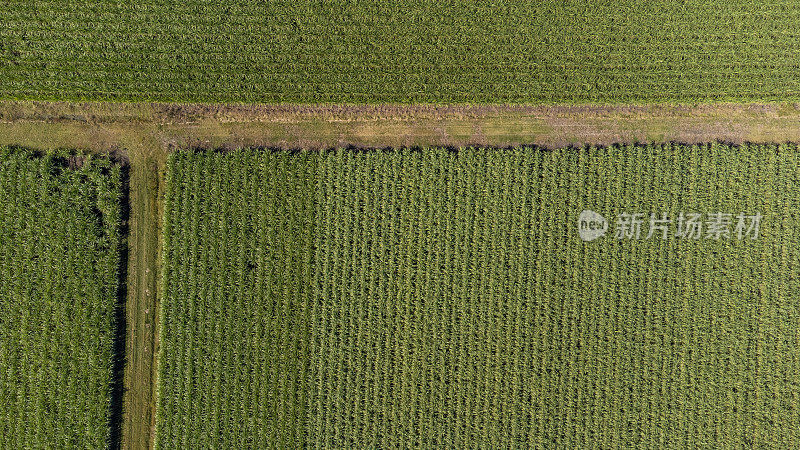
(106, 125)
(143, 293)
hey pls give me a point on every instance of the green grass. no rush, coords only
(430, 51)
(59, 285)
(443, 298)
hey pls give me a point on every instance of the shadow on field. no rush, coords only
(116, 406)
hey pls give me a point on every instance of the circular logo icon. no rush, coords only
(591, 225)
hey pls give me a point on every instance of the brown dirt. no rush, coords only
(322, 126)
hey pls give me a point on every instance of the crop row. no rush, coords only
(521, 51)
(59, 280)
(443, 298)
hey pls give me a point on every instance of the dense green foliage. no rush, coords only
(424, 298)
(400, 51)
(59, 263)
(237, 242)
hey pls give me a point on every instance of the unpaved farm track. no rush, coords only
(288, 126)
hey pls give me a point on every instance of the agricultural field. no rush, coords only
(395, 224)
(60, 250)
(475, 297)
(237, 241)
(391, 51)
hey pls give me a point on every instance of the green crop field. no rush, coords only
(237, 242)
(304, 51)
(59, 280)
(343, 224)
(424, 298)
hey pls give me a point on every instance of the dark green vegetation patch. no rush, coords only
(400, 51)
(446, 298)
(234, 342)
(59, 281)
